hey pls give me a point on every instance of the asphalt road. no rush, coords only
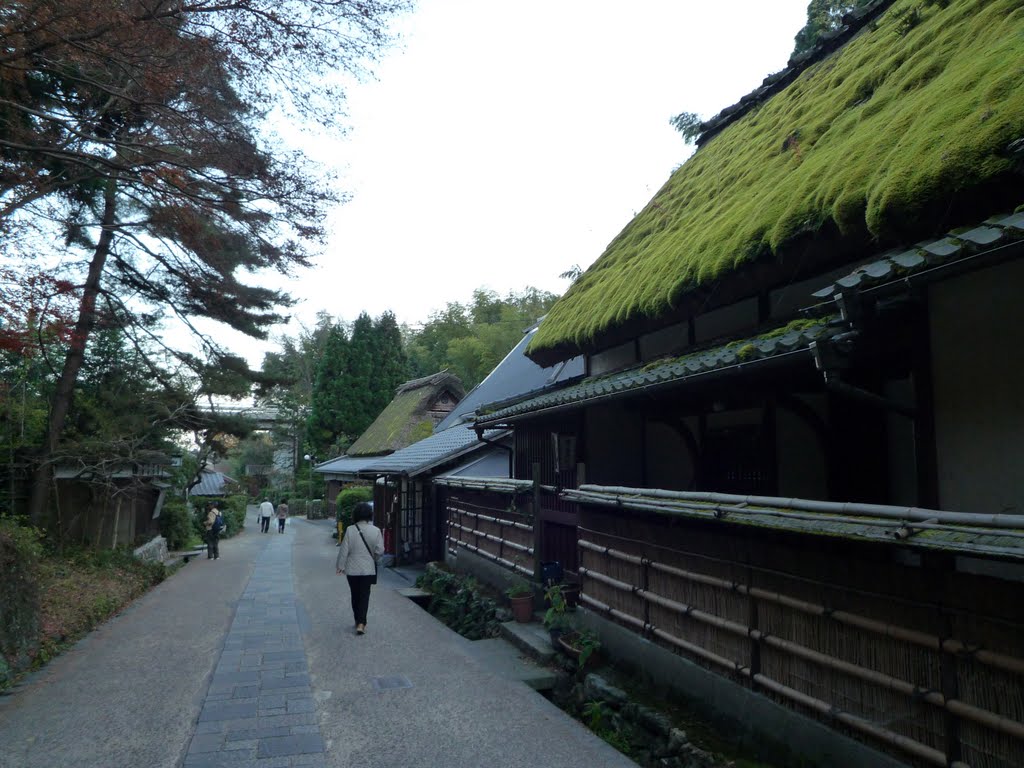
(405, 694)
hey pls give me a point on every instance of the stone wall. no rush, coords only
(155, 550)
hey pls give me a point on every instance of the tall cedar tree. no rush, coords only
(357, 408)
(356, 379)
(390, 364)
(326, 418)
(130, 124)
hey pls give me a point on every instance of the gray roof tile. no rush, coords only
(664, 372)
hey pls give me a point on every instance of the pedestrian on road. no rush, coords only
(282, 515)
(266, 512)
(213, 524)
(357, 559)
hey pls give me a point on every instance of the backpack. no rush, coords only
(218, 524)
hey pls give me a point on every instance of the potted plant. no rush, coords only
(580, 644)
(520, 597)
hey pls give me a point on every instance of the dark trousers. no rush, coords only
(280, 525)
(360, 588)
(264, 524)
(212, 544)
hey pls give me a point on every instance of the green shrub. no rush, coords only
(348, 499)
(20, 551)
(460, 603)
(233, 508)
(176, 525)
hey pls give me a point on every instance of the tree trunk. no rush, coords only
(43, 476)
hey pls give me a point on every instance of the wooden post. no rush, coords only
(753, 623)
(537, 525)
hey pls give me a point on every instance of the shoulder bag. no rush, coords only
(374, 580)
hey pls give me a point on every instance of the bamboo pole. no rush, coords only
(898, 529)
(833, 507)
(495, 539)
(491, 556)
(975, 714)
(824, 708)
(490, 519)
(921, 639)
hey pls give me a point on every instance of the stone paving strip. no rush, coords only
(259, 710)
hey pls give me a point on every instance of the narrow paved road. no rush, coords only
(250, 660)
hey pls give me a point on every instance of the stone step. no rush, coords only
(507, 660)
(532, 638)
(417, 595)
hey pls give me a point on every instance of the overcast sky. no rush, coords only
(501, 143)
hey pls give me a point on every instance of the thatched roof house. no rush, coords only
(417, 407)
(912, 128)
(795, 456)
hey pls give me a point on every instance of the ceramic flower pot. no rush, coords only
(522, 608)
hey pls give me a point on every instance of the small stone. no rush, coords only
(654, 721)
(597, 688)
(677, 739)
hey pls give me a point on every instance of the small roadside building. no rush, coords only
(418, 406)
(793, 465)
(112, 503)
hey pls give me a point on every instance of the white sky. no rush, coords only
(502, 143)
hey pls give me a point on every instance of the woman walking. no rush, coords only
(282, 515)
(357, 559)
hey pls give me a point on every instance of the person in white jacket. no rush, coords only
(357, 559)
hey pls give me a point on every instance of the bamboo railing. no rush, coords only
(499, 534)
(610, 571)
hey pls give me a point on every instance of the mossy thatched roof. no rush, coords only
(407, 418)
(913, 115)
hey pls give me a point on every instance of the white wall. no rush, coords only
(977, 327)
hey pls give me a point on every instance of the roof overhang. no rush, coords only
(779, 348)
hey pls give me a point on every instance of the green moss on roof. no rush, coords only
(902, 117)
(405, 420)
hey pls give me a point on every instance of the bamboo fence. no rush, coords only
(487, 522)
(931, 672)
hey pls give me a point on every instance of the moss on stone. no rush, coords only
(898, 119)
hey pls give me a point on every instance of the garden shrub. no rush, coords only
(20, 551)
(460, 603)
(233, 508)
(176, 525)
(347, 499)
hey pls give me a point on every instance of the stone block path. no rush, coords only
(259, 709)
